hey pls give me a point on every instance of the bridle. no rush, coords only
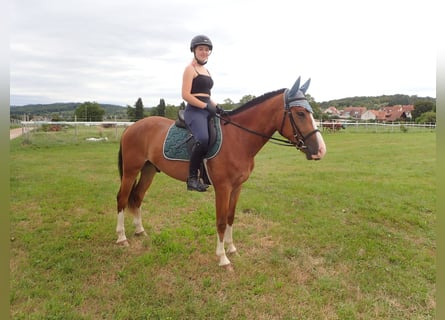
(299, 137)
(299, 142)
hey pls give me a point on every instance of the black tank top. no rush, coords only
(202, 84)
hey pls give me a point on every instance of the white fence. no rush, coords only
(75, 123)
(326, 126)
(338, 126)
(29, 126)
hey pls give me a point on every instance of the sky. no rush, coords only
(114, 51)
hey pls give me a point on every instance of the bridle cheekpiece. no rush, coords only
(297, 99)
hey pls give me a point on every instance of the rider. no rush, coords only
(196, 86)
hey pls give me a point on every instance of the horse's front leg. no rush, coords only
(228, 234)
(228, 239)
(221, 252)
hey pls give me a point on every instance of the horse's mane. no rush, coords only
(255, 101)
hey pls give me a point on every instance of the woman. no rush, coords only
(196, 89)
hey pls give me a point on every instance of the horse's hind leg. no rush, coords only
(122, 201)
(137, 196)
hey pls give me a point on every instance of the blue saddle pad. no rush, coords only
(175, 143)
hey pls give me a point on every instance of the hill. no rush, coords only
(66, 110)
(374, 102)
(62, 110)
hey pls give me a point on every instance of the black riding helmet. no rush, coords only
(200, 40)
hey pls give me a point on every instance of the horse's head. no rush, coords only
(298, 124)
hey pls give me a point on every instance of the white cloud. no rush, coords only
(115, 52)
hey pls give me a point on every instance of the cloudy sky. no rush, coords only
(115, 51)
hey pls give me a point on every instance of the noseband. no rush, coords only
(299, 142)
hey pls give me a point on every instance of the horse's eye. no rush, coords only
(300, 114)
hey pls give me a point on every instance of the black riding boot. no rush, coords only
(193, 181)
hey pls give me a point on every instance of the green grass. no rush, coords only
(349, 237)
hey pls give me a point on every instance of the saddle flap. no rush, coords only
(178, 140)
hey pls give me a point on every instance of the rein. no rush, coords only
(286, 143)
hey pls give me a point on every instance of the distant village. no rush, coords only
(385, 114)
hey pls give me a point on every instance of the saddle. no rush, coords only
(179, 142)
(180, 123)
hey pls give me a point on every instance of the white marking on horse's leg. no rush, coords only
(221, 253)
(137, 221)
(120, 228)
(229, 240)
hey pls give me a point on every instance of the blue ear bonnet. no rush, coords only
(295, 96)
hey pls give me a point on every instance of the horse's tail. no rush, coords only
(119, 162)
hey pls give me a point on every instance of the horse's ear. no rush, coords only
(304, 87)
(293, 91)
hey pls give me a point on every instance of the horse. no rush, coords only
(333, 126)
(245, 131)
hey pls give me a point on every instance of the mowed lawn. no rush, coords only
(349, 237)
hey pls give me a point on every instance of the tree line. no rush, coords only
(424, 108)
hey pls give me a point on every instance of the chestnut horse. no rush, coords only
(245, 131)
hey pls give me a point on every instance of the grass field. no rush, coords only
(349, 237)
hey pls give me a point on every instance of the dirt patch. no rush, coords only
(17, 132)
(14, 133)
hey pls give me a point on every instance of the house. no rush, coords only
(395, 113)
(369, 115)
(385, 114)
(353, 112)
(332, 111)
(407, 109)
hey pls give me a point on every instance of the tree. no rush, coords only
(136, 113)
(161, 108)
(89, 111)
(171, 112)
(139, 110)
(422, 106)
(228, 104)
(398, 99)
(427, 117)
(131, 113)
(246, 99)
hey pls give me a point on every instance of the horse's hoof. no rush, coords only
(229, 268)
(141, 234)
(123, 243)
